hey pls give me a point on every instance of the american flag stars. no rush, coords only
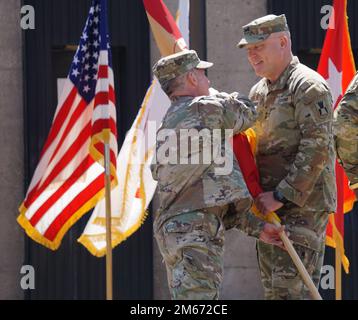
(84, 68)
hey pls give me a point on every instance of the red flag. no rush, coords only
(69, 179)
(337, 67)
(246, 159)
(244, 145)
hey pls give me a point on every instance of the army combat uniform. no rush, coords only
(196, 204)
(295, 156)
(346, 132)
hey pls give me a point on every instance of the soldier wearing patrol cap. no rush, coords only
(196, 204)
(346, 133)
(295, 154)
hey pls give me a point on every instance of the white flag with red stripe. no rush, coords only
(135, 189)
(69, 179)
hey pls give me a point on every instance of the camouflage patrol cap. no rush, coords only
(261, 28)
(172, 66)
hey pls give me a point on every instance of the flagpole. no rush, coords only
(275, 220)
(298, 263)
(109, 260)
(338, 273)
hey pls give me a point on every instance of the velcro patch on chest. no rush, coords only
(284, 99)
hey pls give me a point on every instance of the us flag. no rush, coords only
(69, 178)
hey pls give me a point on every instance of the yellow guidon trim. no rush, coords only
(336, 241)
(35, 235)
(103, 136)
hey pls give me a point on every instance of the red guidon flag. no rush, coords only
(69, 178)
(337, 67)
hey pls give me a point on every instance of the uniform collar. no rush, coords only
(181, 99)
(281, 82)
(178, 103)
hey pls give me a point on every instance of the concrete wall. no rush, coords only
(231, 72)
(224, 30)
(12, 146)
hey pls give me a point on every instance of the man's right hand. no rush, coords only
(271, 235)
(356, 193)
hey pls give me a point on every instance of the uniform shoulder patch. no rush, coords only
(322, 109)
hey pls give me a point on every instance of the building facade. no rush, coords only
(32, 62)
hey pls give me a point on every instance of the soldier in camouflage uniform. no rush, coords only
(346, 133)
(196, 204)
(295, 154)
